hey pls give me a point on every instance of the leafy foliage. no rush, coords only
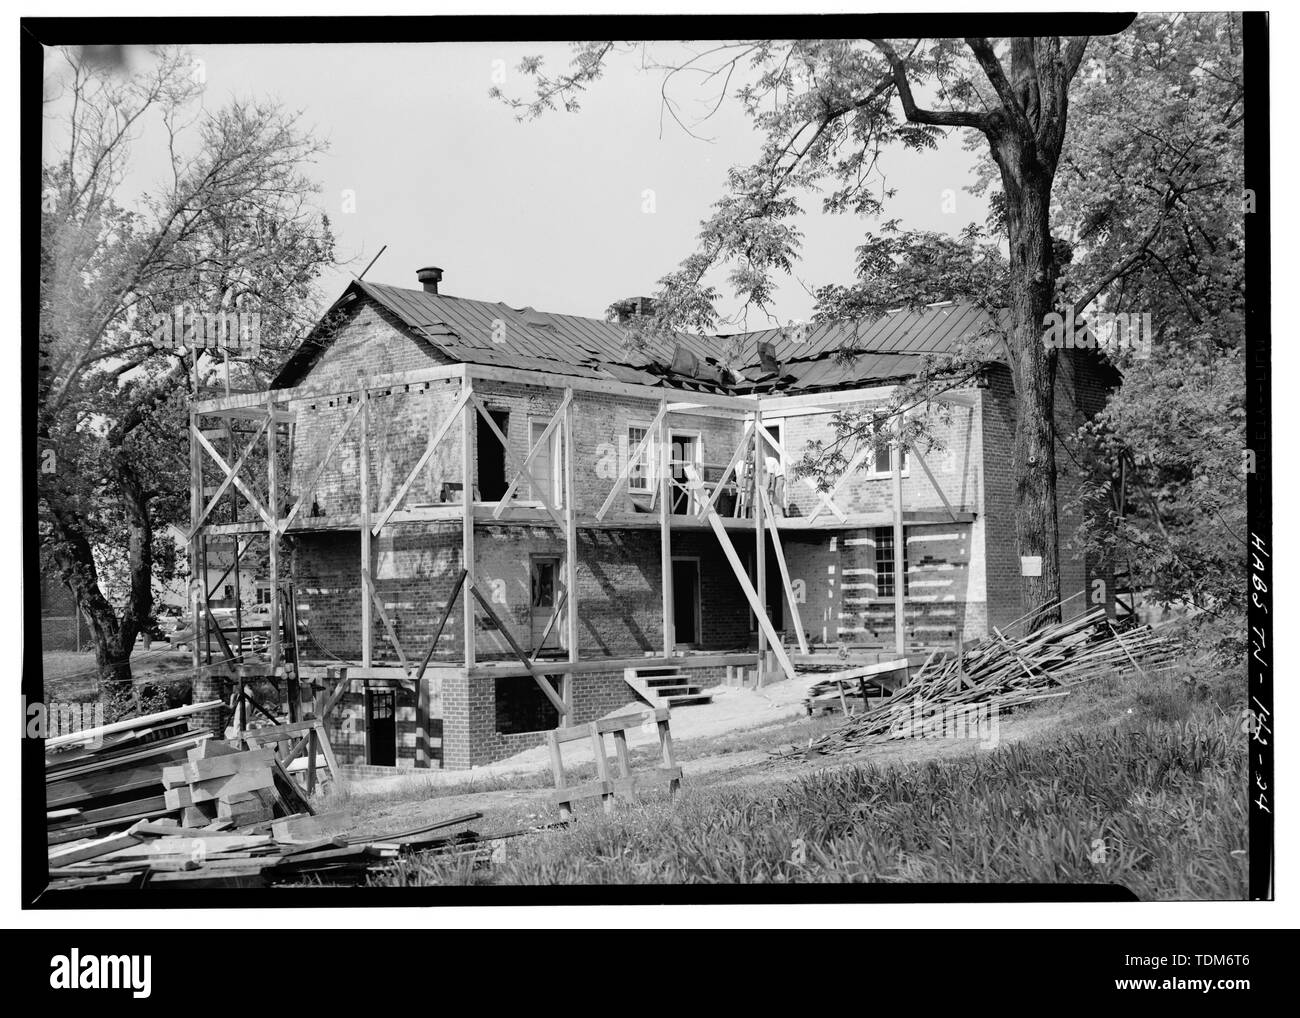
(1151, 196)
(230, 229)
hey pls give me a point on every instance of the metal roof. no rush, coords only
(482, 332)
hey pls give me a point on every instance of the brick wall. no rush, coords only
(1080, 393)
(346, 725)
(473, 738)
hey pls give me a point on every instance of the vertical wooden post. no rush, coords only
(900, 547)
(602, 766)
(273, 530)
(666, 754)
(760, 548)
(557, 771)
(363, 485)
(666, 529)
(570, 548)
(467, 420)
(198, 582)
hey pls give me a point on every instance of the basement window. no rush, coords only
(522, 707)
(884, 538)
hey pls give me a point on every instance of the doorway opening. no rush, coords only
(491, 457)
(381, 727)
(686, 600)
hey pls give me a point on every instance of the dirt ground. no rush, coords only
(744, 738)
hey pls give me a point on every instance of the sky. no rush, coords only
(567, 213)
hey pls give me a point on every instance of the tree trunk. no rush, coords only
(139, 546)
(1033, 278)
(72, 554)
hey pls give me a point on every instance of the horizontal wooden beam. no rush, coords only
(611, 664)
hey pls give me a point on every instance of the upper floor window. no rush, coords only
(639, 475)
(877, 465)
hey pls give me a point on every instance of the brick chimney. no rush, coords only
(429, 278)
(624, 311)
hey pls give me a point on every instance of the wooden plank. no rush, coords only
(238, 482)
(643, 781)
(916, 455)
(510, 455)
(276, 733)
(557, 771)
(666, 532)
(221, 488)
(368, 583)
(434, 441)
(216, 788)
(542, 684)
(467, 446)
(621, 754)
(785, 574)
(602, 764)
(90, 734)
(569, 451)
(587, 790)
(625, 721)
(223, 766)
(539, 444)
(621, 480)
(310, 487)
(900, 540)
(442, 622)
(92, 850)
(760, 551)
(737, 567)
(363, 483)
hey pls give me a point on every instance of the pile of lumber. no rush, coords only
(295, 850)
(105, 779)
(113, 791)
(1002, 672)
(219, 782)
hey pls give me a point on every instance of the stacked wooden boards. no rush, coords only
(108, 778)
(166, 855)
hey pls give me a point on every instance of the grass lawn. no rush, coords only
(1140, 783)
(72, 677)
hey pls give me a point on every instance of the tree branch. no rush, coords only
(914, 113)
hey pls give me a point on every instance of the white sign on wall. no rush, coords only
(1031, 565)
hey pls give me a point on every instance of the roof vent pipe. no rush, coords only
(429, 278)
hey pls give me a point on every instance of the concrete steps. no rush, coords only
(664, 687)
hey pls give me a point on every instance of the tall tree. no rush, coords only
(228, 231)
(826, 109)
(1151, 198)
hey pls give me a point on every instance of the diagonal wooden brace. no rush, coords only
(510, 456)
(537, 446)
(320, 467)
(234, 478)
(542, 684)
(441, 433)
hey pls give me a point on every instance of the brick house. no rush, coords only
(594, 472)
